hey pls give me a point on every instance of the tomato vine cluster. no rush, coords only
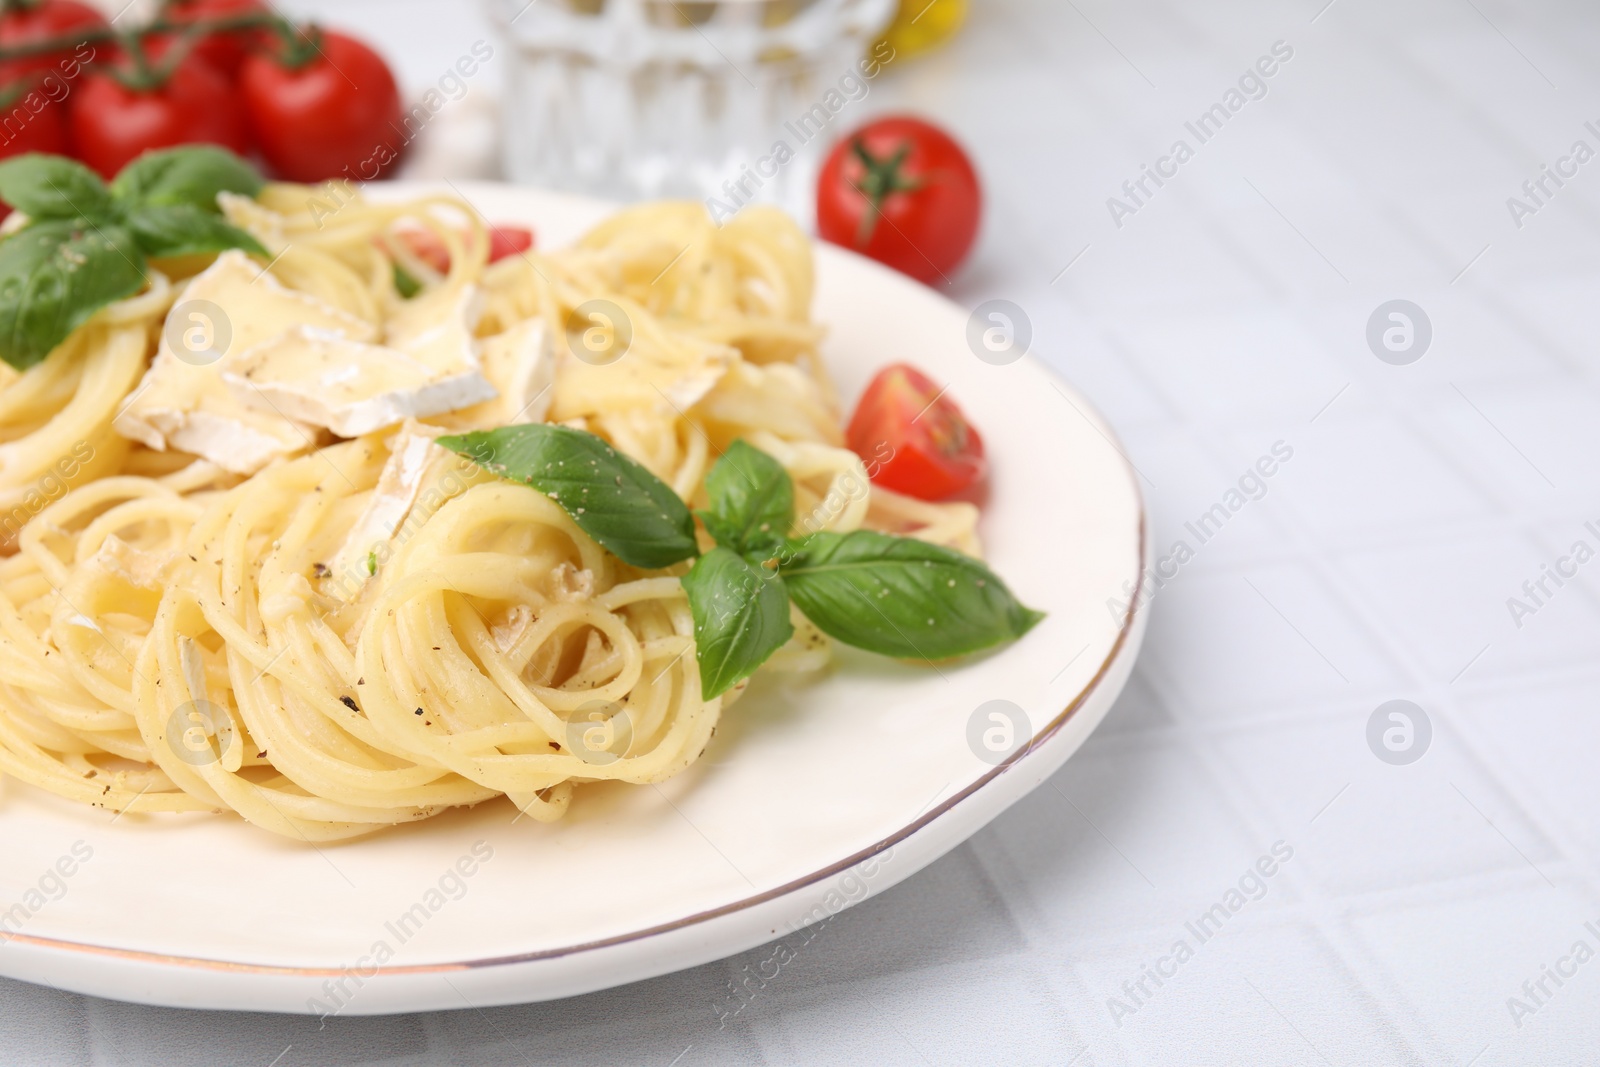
(310, 104)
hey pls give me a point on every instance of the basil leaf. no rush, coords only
(53, 187)
(741, 617)
(752, 501)
(185, 230)
(190, 174)
(405, 284)
(619, 503)
(901, 597)
(54, 275)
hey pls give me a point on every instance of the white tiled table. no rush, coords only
(1227, 314)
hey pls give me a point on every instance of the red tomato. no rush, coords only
(324, 110)
(426, 246)
(503, 241)
(913, 437)
(44, 130)
(901, 191)
(113, 124)
(51, 18)
(225, 50)
(508, 241)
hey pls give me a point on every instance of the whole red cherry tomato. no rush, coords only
(323, 106)
(904, 193)
(913, 437)
(24, 24)
(124, 111)
(27, 130)
(226, 49)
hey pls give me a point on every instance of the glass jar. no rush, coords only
(727, 101)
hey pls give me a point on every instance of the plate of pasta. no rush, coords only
(417, 596)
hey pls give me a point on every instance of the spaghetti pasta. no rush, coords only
(364, 632)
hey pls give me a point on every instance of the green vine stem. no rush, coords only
(66, 42)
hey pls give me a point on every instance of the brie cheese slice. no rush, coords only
(413, 462)
(326, 379)
(522, 369)
(140, 569)
(436, 327)
(183, 403)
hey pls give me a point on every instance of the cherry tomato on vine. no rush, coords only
(323, 106)
(42, 131)
(915, 436)
(904, 193)
(27, 23)
(127, 109)
(225, 50)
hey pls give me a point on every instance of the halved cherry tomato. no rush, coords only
(426, 246)
(904, 193)
(503, 241)
(122, 112)
(324, 106)
(508, 241)
(913, 437)
(225, 50)
(27, 23)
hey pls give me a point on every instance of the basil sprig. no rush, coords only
(191, 176)
(86, 244)
(741, 617)
(896, 596)
(632, 513)
(53, 276)
(902, 597)
(53, 187)
(752, 501)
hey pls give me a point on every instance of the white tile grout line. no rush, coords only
(1410, 667)
(1438, 702)
(1315, 555)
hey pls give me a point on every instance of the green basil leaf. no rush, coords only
(631, 512)
(901, 597)
(54, 275)
(190, 174)
(741, 617)
(53, 187)
(405, 284)
(752, 501)
(185, 230)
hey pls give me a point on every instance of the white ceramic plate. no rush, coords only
(810, 799)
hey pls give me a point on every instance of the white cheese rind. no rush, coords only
(351, 388)
(412, 454)
(184, 404)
